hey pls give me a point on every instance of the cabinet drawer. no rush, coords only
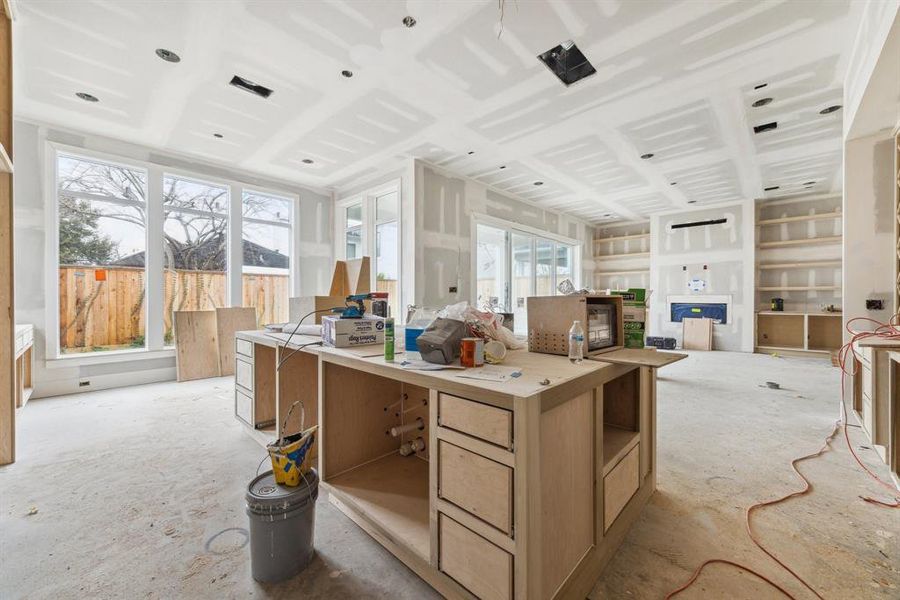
(476, 484)
(475, 563)
(243, 373)
(243, 407)
(243, 347)
(483, 421)
(620, 485)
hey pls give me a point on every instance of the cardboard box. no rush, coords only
(344, 333)
(634, 313)
(634, 338)
(637, 295)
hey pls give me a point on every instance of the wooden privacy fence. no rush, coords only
(104, 308)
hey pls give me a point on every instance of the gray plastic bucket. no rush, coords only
(282, 522)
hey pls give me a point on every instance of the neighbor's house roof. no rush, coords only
(211, 256)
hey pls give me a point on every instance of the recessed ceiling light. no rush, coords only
(218, 135)
(87, 97)
(168, 55)
(347, 74)
(830, 109)
(760, 86)
(647, 156)
(762, 102)
(307, 161)
(409, 21)
(538, 183)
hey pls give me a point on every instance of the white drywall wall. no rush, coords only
(444, 205)
(313, 251)
(869, 221)
(728, 253)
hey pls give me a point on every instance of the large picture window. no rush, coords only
(102, 235)
(512, 264)
(135, 244)
(266, 249)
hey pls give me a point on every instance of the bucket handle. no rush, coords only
(288, 418)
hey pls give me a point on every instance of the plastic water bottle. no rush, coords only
(576, 342)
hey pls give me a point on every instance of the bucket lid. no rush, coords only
(264, 495)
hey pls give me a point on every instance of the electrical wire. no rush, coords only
(889, 331)
(297, 326)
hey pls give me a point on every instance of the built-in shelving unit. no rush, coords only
(622, 256)
(799, 260)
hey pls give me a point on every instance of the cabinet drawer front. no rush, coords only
(483, 421)
(475, 563)
(476, 484)
(620, 485)
(243, 347)
(243, 407)
(243, 373)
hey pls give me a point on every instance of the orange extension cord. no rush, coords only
(882, 331)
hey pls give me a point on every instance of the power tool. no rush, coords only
(359, 311)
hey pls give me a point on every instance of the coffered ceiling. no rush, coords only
(462, 89)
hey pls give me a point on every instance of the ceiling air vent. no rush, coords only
(771, 188)
(765, 127)
(567, 62)
(699, 223)
(249, 86)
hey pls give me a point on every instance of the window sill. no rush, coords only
(114, 356)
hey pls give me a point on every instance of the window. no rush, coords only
(266, 233)
(135, 243)
(195, 233)
(512, 264)
(369, 225)
(102, 234)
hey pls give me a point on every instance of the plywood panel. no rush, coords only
(620, 485)
(567, 488)
(196, 344)
(620, 401)
(476, 484)
(298, 380)
(478, 565)
(358, 276)
(697, 334)
(824, 332)
(357, 417)
(485, 422)
(781, 331)
(229, 321)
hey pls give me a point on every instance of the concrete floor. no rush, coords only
(138, 493)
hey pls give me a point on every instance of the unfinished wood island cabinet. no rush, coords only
(523, 490)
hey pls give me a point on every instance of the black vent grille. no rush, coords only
(250, 86)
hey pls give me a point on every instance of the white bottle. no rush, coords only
(576, 343)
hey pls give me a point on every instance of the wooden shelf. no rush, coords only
(832, 239)
(611, 273)
(799, 288)
(6, 165)
(777, 313)
(800, 265)
(393, 492)
(815, 217)
(617, 238)
(616, 444)
(628, 255)
(790, 349)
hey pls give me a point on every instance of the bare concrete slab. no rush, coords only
(138, 493)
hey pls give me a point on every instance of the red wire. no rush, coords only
(882, 331)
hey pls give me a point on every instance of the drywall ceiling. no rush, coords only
(462, 89)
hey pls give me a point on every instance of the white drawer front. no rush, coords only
(243, 407)
(243, 347)
(243, 373)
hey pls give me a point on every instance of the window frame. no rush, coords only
(511, 228)
(368, 198)
(154, 272)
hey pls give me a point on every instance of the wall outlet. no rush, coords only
(453, 289)
(84, 383)
(874, 304)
